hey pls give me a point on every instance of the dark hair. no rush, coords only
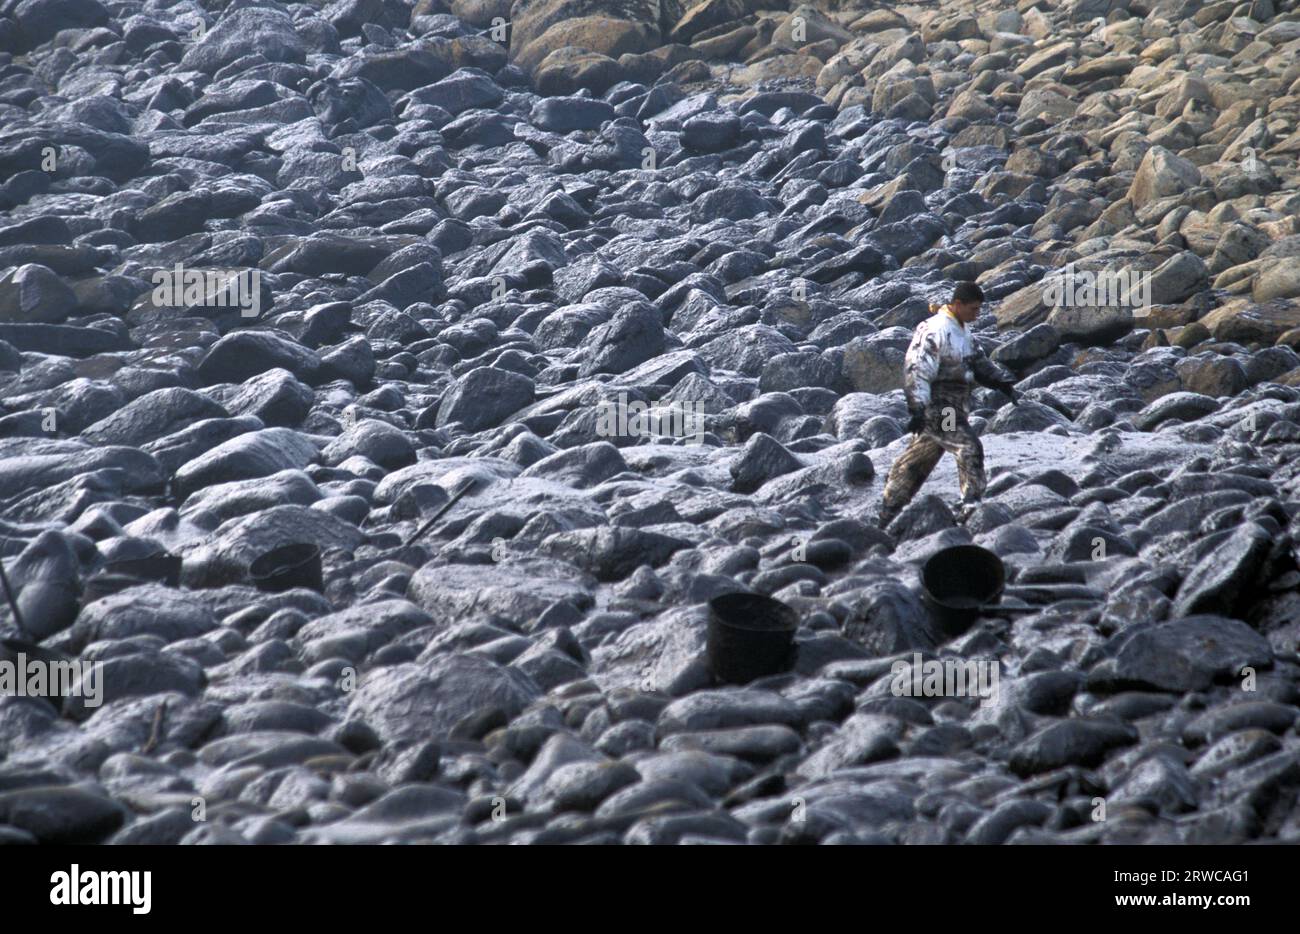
(967, 292)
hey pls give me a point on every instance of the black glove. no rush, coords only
(916, 424)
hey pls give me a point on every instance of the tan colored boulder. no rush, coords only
(972, 107)
(1037, 24)
(1090, 324)
(600, 34)
(568, 70)
(806, 25)
(952, 27)
(982, 134)
(1212, 374)
(909, 48)
(900, 81)
(1159, 50)
(1245, 321)
(1187, 89)
(1105, 66)
(1046, 103)
(481, 13)
(878, 197)
(648, 67)
(847, 63)
(727, 45)
(878, 21)
(707, 14)
(1281, 279)
(784, 65)
(872, 366)
(608, 27)
(1023, 308)
(1052, 56)
(1162, 174)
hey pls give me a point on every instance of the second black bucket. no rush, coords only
(287, 567)
(958, 583)
(750, 636)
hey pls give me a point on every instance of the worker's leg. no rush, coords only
(955, 434)
(965, 446)
(908, 473)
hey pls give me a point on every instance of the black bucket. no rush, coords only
(287, 567)
(163, 567)
(750, 636)
(959, 583)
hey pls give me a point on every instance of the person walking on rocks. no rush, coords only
(941, 363)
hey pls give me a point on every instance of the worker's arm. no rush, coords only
(920, 367)
(990, 374)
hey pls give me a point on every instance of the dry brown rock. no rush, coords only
(1244, 321)
(1162, 174)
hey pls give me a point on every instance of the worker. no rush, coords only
(942, 362)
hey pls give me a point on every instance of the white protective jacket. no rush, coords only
(943, 356)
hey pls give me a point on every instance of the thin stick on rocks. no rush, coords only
(155, 733)
(465, 487)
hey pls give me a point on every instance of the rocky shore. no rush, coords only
(643, 272)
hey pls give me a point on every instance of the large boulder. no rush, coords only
(873, 365)
(261, 30)
(607, 27)
(1280, 279)
(243, 355)
(570, 69)
(1091, 324)
(517, 592)
(33, 294)
(484, 397)
(52, 464)
(1162, 174)
(40, 20)
(153, 416)
(247, 457)
(1244, 321)
(148, 610)
(1186, 654)
(703, 15)
(634, 335)
(423, 700)
(806, 25)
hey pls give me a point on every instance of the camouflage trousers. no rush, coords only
(946, 429)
